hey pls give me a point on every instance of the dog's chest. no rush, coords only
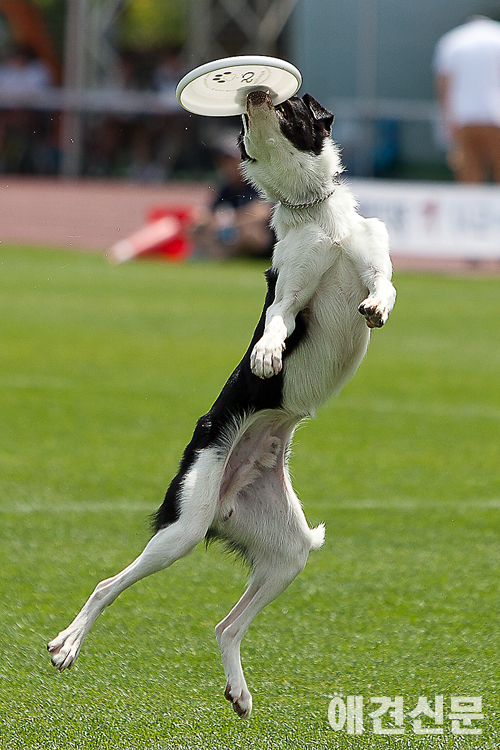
(334, 341)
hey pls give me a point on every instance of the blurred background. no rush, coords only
(97, 79)
(104, 370)
(87, 87)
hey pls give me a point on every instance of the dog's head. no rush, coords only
(286, 150)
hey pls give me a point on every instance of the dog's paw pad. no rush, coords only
(64, 650)
(374, 311)
(242, 704)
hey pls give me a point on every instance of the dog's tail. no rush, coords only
(317, 536)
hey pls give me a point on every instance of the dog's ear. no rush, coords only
(319, 112)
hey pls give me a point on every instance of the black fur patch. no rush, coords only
(229, 546)
(243, 393)
(241, 146)
(305, 123)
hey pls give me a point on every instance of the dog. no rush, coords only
(329, 284)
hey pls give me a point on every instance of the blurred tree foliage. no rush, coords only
(142, 25)
(154, 23)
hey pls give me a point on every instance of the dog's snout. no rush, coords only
(258, 99)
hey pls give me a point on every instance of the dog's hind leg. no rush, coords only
(269, 580)
(269, 524)
(197, 507)
(168, 545)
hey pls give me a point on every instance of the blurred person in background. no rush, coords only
(467, 69)
(26, 136)
(237, 222)
(168, 72)
(23, 73)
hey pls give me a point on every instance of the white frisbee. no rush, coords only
(220, 88)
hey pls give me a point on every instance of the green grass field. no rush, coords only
(104, 371)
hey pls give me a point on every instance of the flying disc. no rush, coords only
(220, 88)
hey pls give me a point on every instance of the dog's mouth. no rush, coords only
(260, 99)
(259, 106)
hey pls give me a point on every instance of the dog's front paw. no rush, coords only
(266, 359)
(375, 311)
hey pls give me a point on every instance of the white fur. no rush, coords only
(328, 258)
(330, 262)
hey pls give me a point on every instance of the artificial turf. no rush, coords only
(103, 372)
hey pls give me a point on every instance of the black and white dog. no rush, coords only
(329, 265)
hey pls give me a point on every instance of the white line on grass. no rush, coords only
(96, 506)
(133, 506)
(438, 409)
(459, 411)
(407, 504)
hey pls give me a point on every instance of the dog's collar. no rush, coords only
(320, 199)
